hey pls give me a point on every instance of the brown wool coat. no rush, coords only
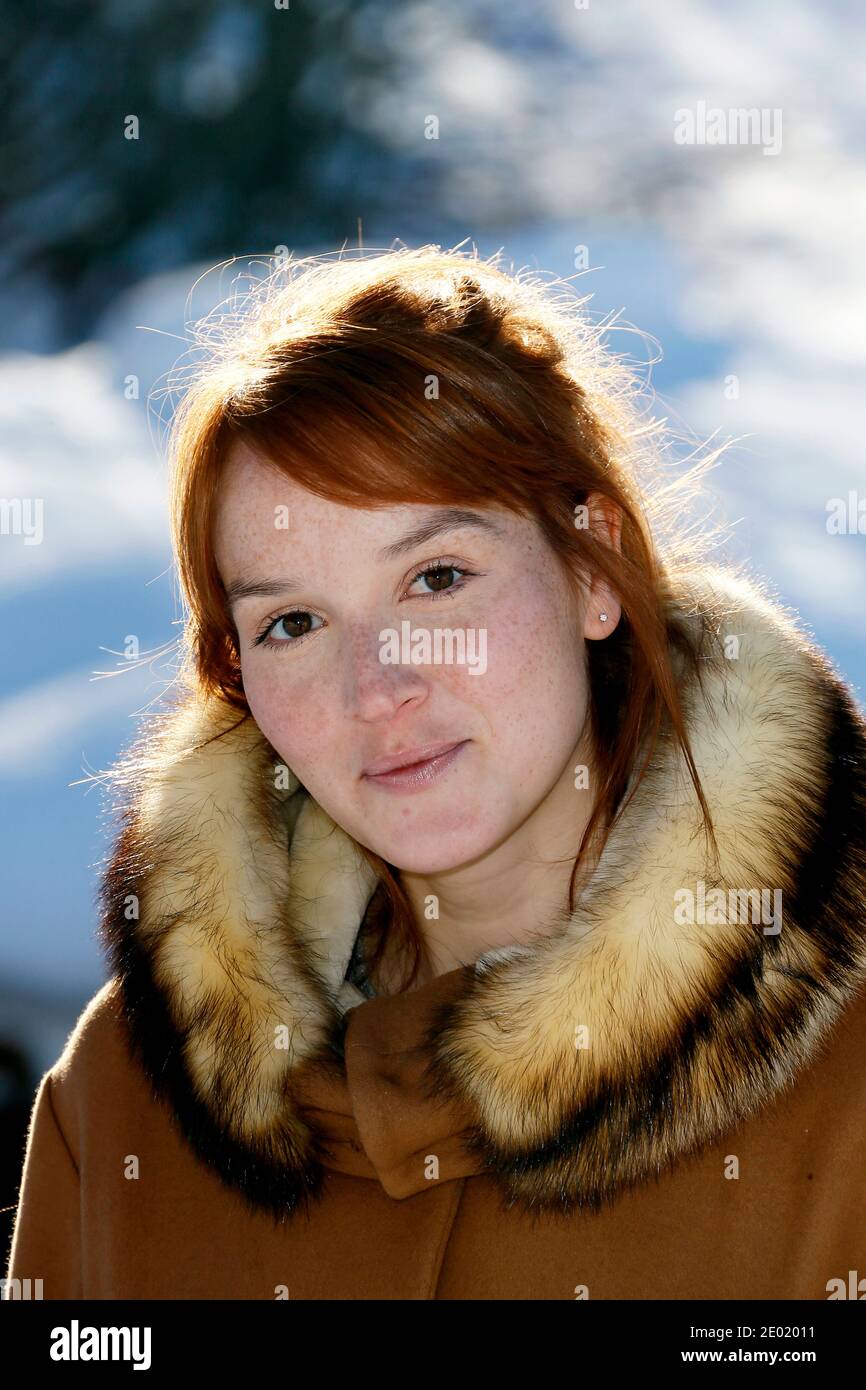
(641, 1105)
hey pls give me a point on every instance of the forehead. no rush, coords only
(257, 500)
(258, 506)
(247, 474)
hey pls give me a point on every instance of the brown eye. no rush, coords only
(443, 576)
(440, 580)
(294, 621)
(289, 629)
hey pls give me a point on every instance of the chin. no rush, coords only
(435, 851)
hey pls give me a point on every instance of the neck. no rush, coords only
(511, 895)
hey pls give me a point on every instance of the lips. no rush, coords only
(412, 778)
(410, 757)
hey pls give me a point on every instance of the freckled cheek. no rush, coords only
(527, 630)
(290, 716)
(534, 685)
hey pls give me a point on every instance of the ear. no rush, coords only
(603, 610)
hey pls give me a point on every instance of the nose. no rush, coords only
(377, 689)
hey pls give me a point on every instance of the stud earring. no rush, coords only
(602, 617)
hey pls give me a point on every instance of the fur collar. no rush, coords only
(230, 911)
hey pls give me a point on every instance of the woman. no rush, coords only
(571, 1006)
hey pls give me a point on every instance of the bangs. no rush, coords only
(394, 422)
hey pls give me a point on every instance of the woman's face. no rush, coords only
(322, 690)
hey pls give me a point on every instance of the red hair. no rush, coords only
(416, 376)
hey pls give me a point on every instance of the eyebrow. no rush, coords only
(442, 520)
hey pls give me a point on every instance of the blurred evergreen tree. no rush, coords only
(138, 135)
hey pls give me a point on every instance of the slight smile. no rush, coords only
(417, 776)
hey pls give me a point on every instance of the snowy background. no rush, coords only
(555, 131)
